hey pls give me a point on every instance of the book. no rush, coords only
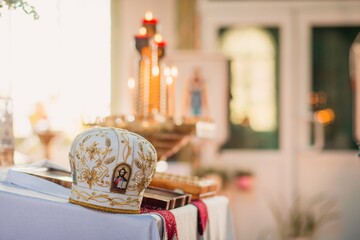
(197, 187)
(153, 198)
(164, 199)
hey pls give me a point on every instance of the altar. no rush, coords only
(30, 214)
(114, 158)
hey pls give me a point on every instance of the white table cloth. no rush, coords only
(26, 213)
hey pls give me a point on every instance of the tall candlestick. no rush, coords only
(174, 73)
(146, 88)
(155, 79)
(170, 94)
(163, 95)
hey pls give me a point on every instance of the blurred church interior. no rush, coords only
(280, 80)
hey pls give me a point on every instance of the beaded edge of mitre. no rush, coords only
(110, 169)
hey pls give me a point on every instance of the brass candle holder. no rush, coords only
(155, 98)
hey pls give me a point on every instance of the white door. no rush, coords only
(301, 165)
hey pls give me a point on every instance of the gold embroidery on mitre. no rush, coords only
(127, 150)
(104, 209)
(96, 174)
(105, 198)
(145, 162)
(117, 164)
(120, 178)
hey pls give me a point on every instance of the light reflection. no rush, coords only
(131, 83)
(325, 116)
(55, 65)
(162, 166)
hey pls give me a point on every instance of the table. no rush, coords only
(29, 214)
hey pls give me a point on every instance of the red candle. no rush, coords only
(139, 36)
(159, 40)
(151, 21)
(161, 44)
(150, 24)
(149, 18)
(142, 33)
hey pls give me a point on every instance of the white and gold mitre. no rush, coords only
(110, 169)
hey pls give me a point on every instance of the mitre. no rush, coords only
(110, 169)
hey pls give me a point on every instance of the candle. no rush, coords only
(142, 31)
(170, 74)
(170, 94)
(159, 40)
(131, 86)
(173, 74)
(149, 22)
(149, 19)
(174, 71)
(163, 94)
(141, 40)
(161, 44)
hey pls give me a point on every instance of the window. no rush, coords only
(332, 95)
(253, 107)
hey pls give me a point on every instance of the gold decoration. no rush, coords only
(105, 163)
(93, 150)
(95, 175)
(104, 209)
(105, 198)
(146, 161)
(110, 160)
(127, 148)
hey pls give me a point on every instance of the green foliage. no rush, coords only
(203, 172)
(14, 4)
(243, 172)
(226, 175)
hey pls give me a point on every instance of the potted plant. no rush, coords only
(244, 180)
(303, 220)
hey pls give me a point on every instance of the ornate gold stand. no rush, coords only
(167, 136)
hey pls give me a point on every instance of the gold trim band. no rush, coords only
(104, 209)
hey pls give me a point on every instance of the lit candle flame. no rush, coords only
(174, 71)
(142, 31)
(155, 70)
(169, 81)
(167, 71)
(161, 166)
(325, 116)
(148, 16)
(158, 38)
(131, 83)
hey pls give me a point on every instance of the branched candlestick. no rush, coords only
(151, 89)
